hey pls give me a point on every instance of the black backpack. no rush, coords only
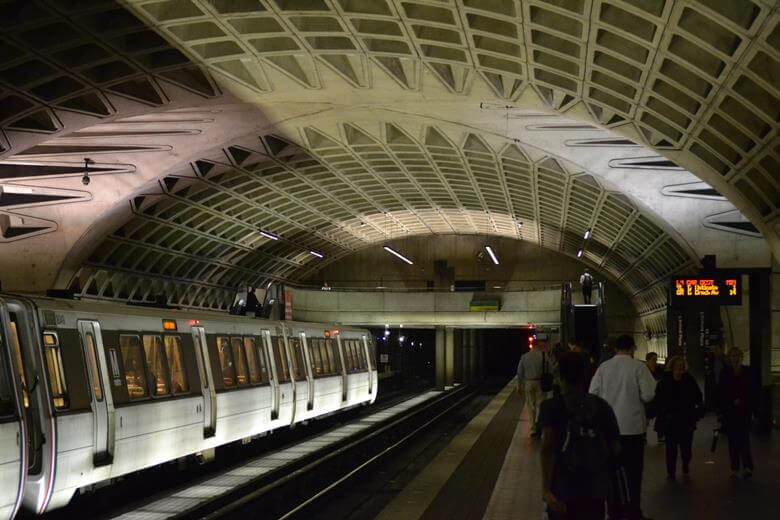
(585, 451)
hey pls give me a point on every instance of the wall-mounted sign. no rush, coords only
(723, 291)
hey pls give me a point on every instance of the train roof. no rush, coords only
(116, 309)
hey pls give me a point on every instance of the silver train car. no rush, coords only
(93, 391)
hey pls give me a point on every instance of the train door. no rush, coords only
(206, 382)
(344, 380)
(283, 343)
(102, 400)
(369, 368)
(305, 356)
(13, 431)
(267, 347)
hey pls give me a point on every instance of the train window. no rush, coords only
(7, 407)
(226, 361)
(362, 354)
(94, 368)
(16, 346)
(316, 358)
(239, 362)
(335, 366)
(59, 392)
(327, 364)
(353, 354)
(282, 369)
(158, 368)
(262, 361)
(179, 382)
(251, 360)
(133, 363)
(345, 346)
(298, 367)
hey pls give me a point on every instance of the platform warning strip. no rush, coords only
(193, 496)
(427, 495)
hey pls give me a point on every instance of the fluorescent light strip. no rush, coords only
(318, 255)
(399, 255)
(587, 234)
(266, 234)
(580, 253)
(492, 254)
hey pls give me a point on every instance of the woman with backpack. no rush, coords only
(680, 405)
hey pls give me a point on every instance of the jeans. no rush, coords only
(739, 447)
(683, 440)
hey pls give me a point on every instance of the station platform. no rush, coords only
(491, 471)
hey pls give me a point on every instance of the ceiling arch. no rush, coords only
(195, 236)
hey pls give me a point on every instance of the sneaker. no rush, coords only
(748, 473)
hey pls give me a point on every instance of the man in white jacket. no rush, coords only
(627, 384)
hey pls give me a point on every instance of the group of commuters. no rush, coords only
(593, 426)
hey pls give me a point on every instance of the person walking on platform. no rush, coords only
(586, 282)
(580, 437)
(680, 404)
(532, 366)
(734, 408)
(590, 364)
(651, 358)
(626, 384)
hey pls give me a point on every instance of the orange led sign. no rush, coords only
(725, 291)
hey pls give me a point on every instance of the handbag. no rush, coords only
(546, 381)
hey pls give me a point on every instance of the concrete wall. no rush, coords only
(527, 279)
(424, 309)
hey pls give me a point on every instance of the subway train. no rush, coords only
(92, 391)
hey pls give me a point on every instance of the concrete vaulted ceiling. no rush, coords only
(338, 124)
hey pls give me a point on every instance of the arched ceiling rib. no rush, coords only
(334, 194)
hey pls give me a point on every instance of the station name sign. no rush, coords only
(723, 291)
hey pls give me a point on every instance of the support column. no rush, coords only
(465, 355)
(480, 355)
(449, 376)
(440, 359)
(458, 376)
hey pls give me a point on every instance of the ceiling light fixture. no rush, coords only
(397, 254)
(587, 234)
(318, 255)
(266, 234)
(492, 254)
(580, 253)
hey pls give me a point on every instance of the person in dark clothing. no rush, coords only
(586, 282)
(580, 438)
(734, 407)
(652, 364)
(679, 403)
(590, 364)
(651, 359)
